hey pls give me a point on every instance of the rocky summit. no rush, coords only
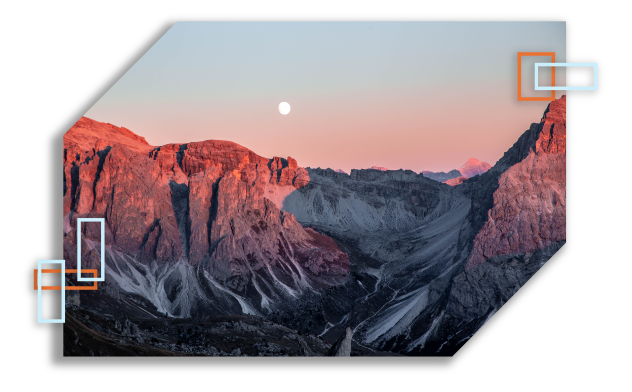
(212, 249)
(474, 167)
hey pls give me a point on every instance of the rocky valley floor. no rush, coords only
(87, 333)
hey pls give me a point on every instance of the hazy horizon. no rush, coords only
(411, 95)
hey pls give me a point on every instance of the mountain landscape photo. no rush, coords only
(312, 189)
(214, 250)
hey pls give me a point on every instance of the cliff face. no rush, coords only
(529, 207)
(529, 210)
(525, 226)
(202, 205)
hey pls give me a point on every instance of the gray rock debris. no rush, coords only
(73, 298)
(303, 350)
(342, 347)
(113, 291)
(268, 349)
(127, 328)
(213, 351)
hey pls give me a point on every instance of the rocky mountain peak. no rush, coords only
(86, 131)
(474, 167)
(552, 138)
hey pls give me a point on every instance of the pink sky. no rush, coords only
(418, 96)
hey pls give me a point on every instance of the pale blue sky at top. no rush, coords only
(412, 95)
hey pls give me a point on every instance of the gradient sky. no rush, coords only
(411, 95)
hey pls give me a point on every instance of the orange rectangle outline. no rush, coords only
(520, 97)
(68, 271)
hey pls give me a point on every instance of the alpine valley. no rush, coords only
(211, 249)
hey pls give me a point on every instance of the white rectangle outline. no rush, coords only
(61, 320)
(93, 279)
(567, 88)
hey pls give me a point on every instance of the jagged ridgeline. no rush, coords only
(212, 249)
(189, 227)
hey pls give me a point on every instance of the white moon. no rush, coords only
(284, 108)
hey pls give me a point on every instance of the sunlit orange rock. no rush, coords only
(203, 203)
(455, 181)
(529, 210)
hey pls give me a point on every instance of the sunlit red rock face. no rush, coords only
(529, 210)
(474, 167)
(516, 223)
(202, 203)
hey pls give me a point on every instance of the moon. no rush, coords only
(284, 108)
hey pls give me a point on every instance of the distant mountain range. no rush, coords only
(441, 176)
(473, 167)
